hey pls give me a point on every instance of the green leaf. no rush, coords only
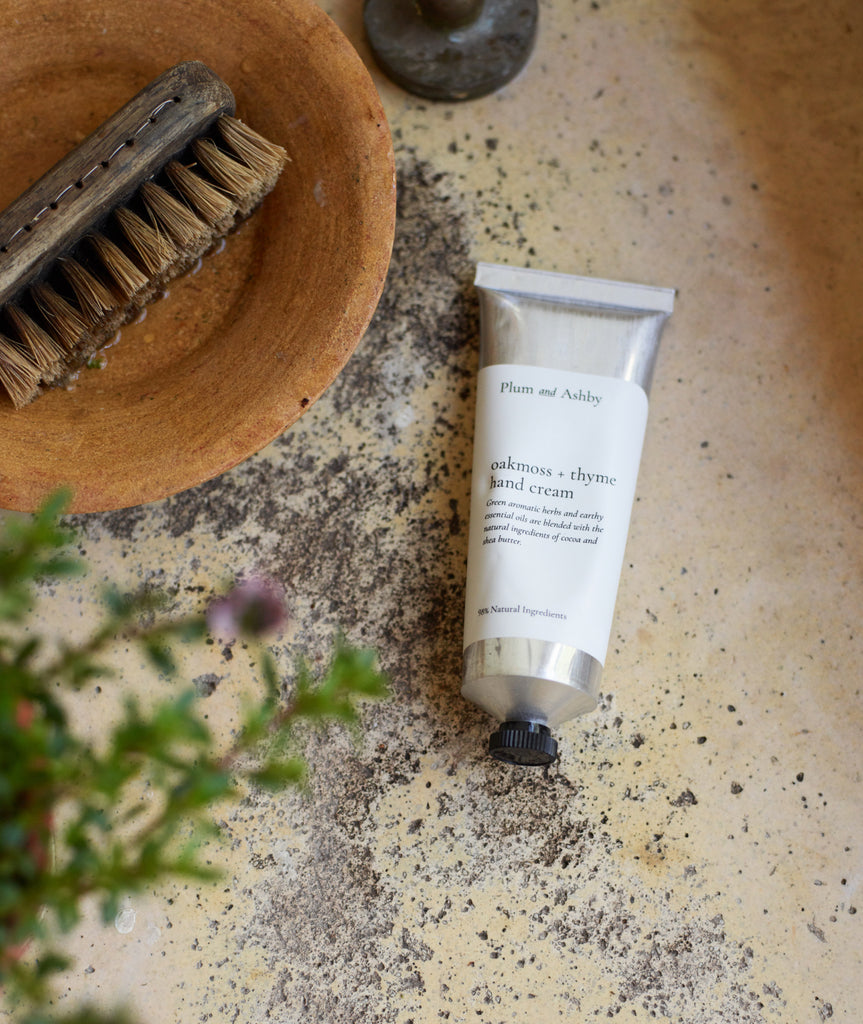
(119, 605)
(277, 775)
(67, 914)
(62, 565)
(270, 673)
(354, 670)
(160, 656)
(191, 629)
(201, 788)
(53, 507)
(27, 651)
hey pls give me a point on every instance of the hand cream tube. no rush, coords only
(565, 369)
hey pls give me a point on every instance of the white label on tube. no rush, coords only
(556, 457)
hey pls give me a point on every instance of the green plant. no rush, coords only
(70, 827)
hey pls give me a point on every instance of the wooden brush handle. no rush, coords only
(105, 170)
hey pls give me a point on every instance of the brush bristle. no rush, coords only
(19, 375)
(92, 296)
(239, 181)
(153, 249)
(64, 322)
(264, 157)
(43, 350)
(123, 273)
(176, 217)
(213, 205)
(186, 230)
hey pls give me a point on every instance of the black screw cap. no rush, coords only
(523, 743)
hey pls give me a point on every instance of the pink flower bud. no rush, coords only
(255, 606)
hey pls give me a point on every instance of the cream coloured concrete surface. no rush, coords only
(696, 854)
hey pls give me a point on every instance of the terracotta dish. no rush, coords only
(238, 350)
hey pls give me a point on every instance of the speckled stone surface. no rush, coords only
(696, 854)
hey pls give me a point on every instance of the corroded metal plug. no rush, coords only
(451, 49)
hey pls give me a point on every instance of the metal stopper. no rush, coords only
(451, 49)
